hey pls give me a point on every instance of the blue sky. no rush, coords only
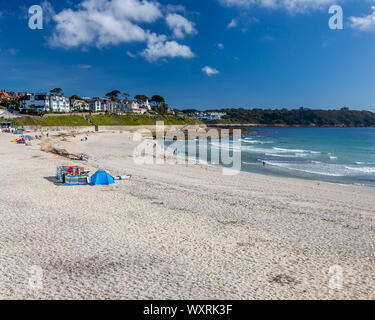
(199, 54)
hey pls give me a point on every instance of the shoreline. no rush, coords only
(52, 148)
(204, 163)
(133, 129)
(219, 167)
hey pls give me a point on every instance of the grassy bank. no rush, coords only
(139, 120)
(64, 121)
(101, 120)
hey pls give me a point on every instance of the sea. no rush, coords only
(337, 155)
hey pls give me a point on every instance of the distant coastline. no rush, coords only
(302, 117)
(226, 118)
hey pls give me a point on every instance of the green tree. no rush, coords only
(301, 117)
(126, 95)
(158, 100)
(57, 91)
(15, 104)
(75, 97)
(141, 98)
(5, 103)
(113, 95)
(163, 108)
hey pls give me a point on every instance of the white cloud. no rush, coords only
(84, 66)
(101, 23)
(180, 25)
(292, 6)
(12, 51)
(166, 49)
(104, 23)
(131, 55)
(175, 8)
(233, 24)
(48, 11)
(366, 23)
(267, 38)
(244, 21)
(210, 71)
(220, 46)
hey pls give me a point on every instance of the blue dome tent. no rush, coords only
(101, 178)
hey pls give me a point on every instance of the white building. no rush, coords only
(210, 116)
(145, 105)
(18, 95)
(133, 106)
(95, 104)
(121, 106)
(79, 105)
(102, 104)
(45, 102)
(171, 111)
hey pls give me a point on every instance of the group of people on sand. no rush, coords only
(81, 157)
(39, 137)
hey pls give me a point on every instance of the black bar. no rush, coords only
(184, 309)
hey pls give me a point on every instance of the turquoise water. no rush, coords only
(342, 155)
(345, 155)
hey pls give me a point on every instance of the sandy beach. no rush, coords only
(176, 231)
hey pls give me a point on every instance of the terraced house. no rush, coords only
(97, 104)
(120, 106)
(79, 105)
(45, 102)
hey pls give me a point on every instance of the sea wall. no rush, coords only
(79, 114)
(151, 128)
(61, 129)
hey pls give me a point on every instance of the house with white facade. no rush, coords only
(45, 102)
(18, 95)
(102, 104)
(120, 106)
(145, 105)
(133, 106)
(79, 105)
(171, 111)
(95, 104)
(209, 116)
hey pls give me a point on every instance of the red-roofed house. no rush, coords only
(4, 95)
